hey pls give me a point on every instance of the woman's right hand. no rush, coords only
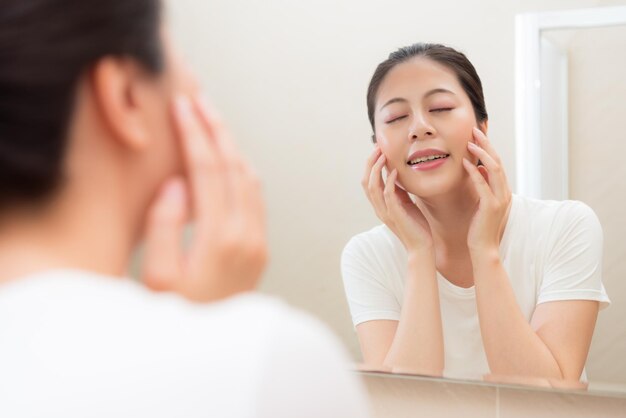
(394, 206)
(222, 196)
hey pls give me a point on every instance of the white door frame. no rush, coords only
(534, 154)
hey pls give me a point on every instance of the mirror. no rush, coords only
(294, 96)
(578, 83)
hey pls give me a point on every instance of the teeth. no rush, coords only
(429, 158)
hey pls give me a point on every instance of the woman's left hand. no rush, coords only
(494, 194)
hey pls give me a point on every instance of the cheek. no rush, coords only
(393, 147)
(459, 133)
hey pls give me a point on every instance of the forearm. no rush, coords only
(418, 342)
(511, 345)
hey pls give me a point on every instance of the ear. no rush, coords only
(116, 84)
(484, 126)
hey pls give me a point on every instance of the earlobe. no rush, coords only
(115, 87)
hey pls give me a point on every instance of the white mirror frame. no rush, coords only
(537, 175)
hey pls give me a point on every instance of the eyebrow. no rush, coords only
(428, 94)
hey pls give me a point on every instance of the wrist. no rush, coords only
(421, 268)
(422, 261)
(419, 255)
(485, 257)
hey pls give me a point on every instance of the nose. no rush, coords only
(421, 128)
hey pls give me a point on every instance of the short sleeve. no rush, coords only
(366, 283)
(573, 267)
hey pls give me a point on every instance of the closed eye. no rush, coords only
(395, 119)
(441, 109)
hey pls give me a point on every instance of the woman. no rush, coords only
(105, 143)
(463, 278)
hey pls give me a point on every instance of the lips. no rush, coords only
(426, 155)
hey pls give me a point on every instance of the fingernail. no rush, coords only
(472, 145)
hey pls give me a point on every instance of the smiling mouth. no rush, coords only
(427, 159)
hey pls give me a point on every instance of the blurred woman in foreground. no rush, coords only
(105, 143)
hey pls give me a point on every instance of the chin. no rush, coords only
(431, 187)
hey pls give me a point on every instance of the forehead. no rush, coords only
(413, 78)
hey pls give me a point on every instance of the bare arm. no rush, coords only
(415, 342)
(556, 341)
(554, 344)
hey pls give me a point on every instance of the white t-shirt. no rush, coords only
(551, 251)
(74, 344)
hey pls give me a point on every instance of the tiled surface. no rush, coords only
(519, 403)
(398, 397)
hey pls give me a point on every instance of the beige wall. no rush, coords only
(290, 78)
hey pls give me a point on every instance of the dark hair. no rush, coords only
(441, 54)
(45, 48)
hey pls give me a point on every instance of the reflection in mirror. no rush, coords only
(463, 278)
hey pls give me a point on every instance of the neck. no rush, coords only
(449, 216)
(87, 231)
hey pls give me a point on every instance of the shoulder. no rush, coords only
(65, 291)
(306, 360)
(554, 214)
(232, 347)
(108, 309)
(378, 240)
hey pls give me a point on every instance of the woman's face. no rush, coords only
(424, 120)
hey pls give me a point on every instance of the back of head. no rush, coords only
(45, 48)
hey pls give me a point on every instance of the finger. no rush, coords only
(228, 155)
(402, 194)
(391, 198)
(497, 181)
(163, 259)
(483, 156)
(369, 164)
(483, 189)
(199, 154)
(215, 125)
(483, 171)
(256, 202)
(481, 140)
(239, 186)
(376, 187)
(255, 231)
